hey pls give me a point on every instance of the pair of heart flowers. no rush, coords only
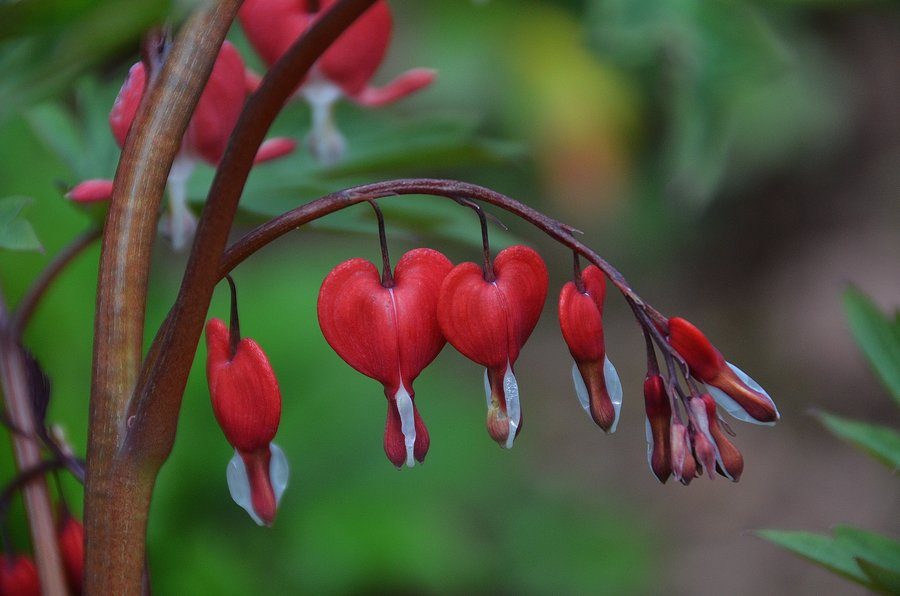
(390, 326)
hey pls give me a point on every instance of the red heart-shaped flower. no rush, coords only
(489, 322)
(388, 334)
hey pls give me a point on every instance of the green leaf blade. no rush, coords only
(881, 442)
(877, 335)
(821, 550)
(16, 232)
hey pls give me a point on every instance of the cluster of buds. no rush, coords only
(246, 401)
(344, 70)
(272, 26)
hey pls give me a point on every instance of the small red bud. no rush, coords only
(91, 191)
(731, 462)
(581, 321)
(659, 415)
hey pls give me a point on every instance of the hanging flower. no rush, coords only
(488, 322)
(344, 70)
(596, 381)
(247, 404)
(388, 332)
(70, 534)
(18, 576)
(659, 414)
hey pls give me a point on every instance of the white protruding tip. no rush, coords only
(734, 408)
(487, 388)
(613, 390)
(325, 140)
(239, 484)
(581, 390)
(649, 434)
(407, 423)
(180, 223)
(513, 408)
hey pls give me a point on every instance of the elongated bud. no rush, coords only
(18, 576)
(247, 404)
(70, 534)
(91, 191)
(733, 389)
(597, 384)
(684, 467)
(730, 463)
(659, 415)
(504, 411)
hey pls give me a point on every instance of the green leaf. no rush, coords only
(877, 335)
(821, 550)
(881, 442)
(878, 556)
(16, 232)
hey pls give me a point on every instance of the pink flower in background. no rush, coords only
(345, 70)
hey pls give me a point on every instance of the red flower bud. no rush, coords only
(345, 69)
(581, 321)
(730, 462)
(18, 576)
(70, 534)
(389, 334)
(489, 322)
(734, 390)
(91, 191)
(247, 404)
(659, 414)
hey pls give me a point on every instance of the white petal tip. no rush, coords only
(239, 484)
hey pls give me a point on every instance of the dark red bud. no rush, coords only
(659, 414)
(70, 534)
(731, 462)
(701, 356)
(18, 576)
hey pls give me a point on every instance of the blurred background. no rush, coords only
(737, 160)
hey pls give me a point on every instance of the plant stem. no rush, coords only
(27, 450)
(117, 488)
(27, 305)
(158, 395)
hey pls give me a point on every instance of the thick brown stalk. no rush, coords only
(158, 397)
(117, 491)
(27, 451)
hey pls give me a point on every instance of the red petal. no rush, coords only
(71, 547)
(127, 102)
(406, 84)
(394, 444)
(91, 191)
(244, 391)
(701, 356)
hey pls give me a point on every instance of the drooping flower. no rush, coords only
(732, 388)
(581, 320)
(205, 139)
(344, 70)
(247, 403)
(684, 466)
(489, 322)
(389, 334)
(729, 461)
(70, 534)
(18, 576)
(659, 414)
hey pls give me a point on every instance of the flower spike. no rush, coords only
(597, 383)
(389, 334)
(247, 403)
(734, 390)
(488, 322)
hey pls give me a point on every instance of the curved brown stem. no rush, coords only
(27, 305)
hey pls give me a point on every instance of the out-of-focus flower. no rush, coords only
(732, 388)
(390, 334)
(70, 534)
(581, 321)
(488, 321)
(18, 576)
(344, 70)
(205, 139)
(247, 403)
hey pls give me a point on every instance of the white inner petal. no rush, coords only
(325, 140)
(734, 408)
(407, 423)
(613, 389)
(180, 222)
(487, 388)
(581, 390)
(239, 486)
(279, 471)
(513, 409)
(648, 431)
(239, 483)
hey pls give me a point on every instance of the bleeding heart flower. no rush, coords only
(70, 534)
(18, 576)
(581, 320)
(659, 414)
(247, 404)
(204, 140)
(489, 322)
(389, 334)
(732, 388)
(684, 466)
(344, 70)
